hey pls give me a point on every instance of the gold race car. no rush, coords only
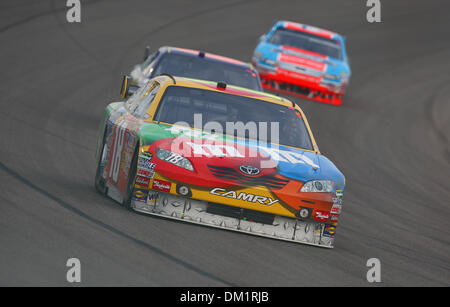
(219, 155)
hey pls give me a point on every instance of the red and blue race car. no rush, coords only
(303, 61)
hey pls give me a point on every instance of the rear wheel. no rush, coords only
(131, 180)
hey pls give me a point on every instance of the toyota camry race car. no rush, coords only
(191, 64)
(303, 61)
(165, 151)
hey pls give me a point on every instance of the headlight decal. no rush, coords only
(325, 186)
(332, 77)
(174, 159)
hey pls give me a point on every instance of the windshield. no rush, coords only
(204, 69)
(307, 41)
(220, 112)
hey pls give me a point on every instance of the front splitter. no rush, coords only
(195, 211)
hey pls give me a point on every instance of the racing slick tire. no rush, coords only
(100, 183)
(131, 181)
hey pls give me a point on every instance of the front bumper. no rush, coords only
(200, 212)
(301, 85)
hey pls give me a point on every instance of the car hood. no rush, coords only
(304, 58)
(221, 160)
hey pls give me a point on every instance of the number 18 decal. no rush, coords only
(119, 135)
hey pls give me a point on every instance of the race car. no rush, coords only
(304, 61)
(219, 155)
(192, 64)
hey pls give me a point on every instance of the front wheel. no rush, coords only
(131, 180)
(100, 182)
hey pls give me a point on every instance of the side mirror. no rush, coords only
(127, 88)
(262, 37)
(146, 53)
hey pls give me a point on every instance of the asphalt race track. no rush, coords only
(390, 139)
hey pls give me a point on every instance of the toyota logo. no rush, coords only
(249, 170)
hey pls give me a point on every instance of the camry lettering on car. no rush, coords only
(244, 196)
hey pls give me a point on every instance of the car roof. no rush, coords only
(308, 29)
(206, 55)
(230, 89)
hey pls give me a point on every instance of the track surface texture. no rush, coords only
(390, 138)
